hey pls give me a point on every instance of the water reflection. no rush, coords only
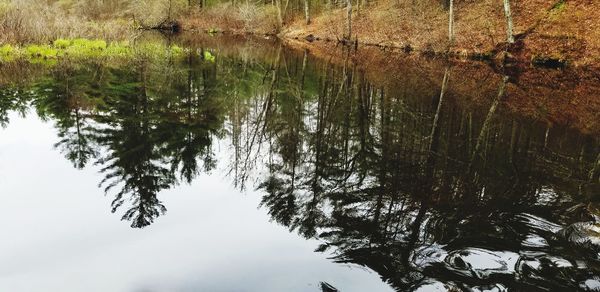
(400, 178)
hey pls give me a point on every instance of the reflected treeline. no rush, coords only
(399, 178)
(147, 124)
(429, 195)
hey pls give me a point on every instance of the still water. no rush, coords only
(253, 167)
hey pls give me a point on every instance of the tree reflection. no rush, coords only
(156, 130)
(68, 98)
(402, 178)
(394, 183)
(147, 130)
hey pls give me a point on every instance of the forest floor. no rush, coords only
(549, 32)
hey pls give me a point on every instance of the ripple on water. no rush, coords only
(481, 263)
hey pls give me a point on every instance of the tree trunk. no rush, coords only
(279, 13)
(349, 19)
(509, 22)
(307, 11)
(451, 22)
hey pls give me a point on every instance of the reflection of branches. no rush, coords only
(12, 100)
(595, 172)
(78, 143)
(134, 165)
(362, 186)
(488, 119)
(256, 127)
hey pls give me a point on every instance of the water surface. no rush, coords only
(255, 167)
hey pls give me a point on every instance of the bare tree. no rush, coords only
(509, 22)
(307, 11)
(281, 11)
(349, 19)
(451, 22)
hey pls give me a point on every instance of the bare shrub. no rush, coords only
(258, 18)
(153, 12)
(29, 21)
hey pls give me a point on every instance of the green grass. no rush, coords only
(43, 52)
(206, 55)
(62, 43)
(7, 53)
(87, 49)
(6, 50)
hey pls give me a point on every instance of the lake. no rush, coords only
(249, 165)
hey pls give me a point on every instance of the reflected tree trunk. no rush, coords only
(546, 136)
(434, 127)
(383, 163)
(488, 120)
(513, 140)
(595, 172)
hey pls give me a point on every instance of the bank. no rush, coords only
(552, 33)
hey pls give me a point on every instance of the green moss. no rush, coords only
(43, 52)
(177, 50)
(118, 50)
(7, 53)
(62, 43)
(85, 48)
(6, 50)
(88, 49)
(208, 56)
(89, 44)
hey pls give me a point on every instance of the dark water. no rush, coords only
(258, 168)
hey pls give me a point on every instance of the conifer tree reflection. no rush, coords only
(196, 118)
(155, 130)
(403, 178)
(69, 98)
(132, 161)
(13, 99)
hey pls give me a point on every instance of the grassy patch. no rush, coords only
(7, 53)
(42, 52)
(87, 49)
(208, 56)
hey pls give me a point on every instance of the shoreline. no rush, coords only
(547, 33)
(509, 58)
(566, 96)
